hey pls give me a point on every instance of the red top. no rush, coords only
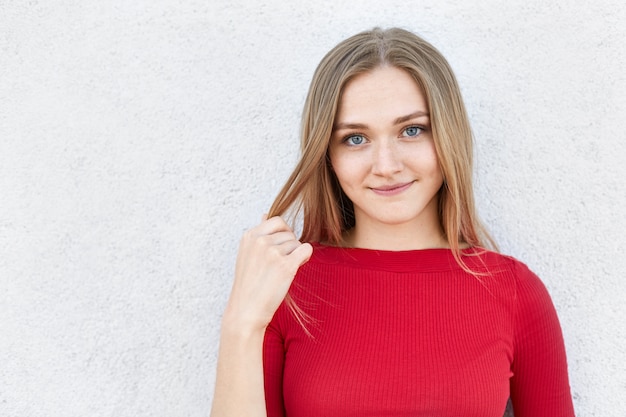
(411, 334)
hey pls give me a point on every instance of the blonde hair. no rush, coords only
(312, 189)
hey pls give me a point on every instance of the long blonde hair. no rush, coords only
(312, 189)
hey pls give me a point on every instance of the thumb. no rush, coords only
(303, 253)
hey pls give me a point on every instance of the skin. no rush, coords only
(381, 140)
(269, 256)
(383, 154)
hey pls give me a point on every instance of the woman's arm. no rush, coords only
(268, 259)
(540, 383)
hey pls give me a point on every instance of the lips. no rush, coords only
(393, 189)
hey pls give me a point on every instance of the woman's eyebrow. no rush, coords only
(397, 121)
(341, 126)
(408, 117)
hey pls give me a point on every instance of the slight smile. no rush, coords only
(390, 190)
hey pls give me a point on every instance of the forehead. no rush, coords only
(383, 92)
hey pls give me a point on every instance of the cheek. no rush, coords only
(424, 161)
(435, 167)
(431, 160)
(436, 172)
(343, 178)
(343, 167)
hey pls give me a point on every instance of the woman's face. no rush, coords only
(383, 154)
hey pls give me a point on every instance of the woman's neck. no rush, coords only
(395, 237)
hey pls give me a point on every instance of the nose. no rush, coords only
(386, 158)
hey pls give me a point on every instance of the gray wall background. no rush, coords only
(139, 139)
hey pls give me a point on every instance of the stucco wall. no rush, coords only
(139, 139)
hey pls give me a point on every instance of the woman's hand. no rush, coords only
(268, 259)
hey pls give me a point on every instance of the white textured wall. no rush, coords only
(139, 139)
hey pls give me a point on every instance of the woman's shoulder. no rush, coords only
(491, 261)
(481, 257)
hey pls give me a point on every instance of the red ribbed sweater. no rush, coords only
(411, 334)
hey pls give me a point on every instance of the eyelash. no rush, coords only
(346, 138)
(420, 128)
(350, 136)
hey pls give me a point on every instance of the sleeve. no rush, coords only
(273, 365)
(540, 383)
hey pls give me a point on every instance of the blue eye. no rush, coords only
(412, 131)
(355, 140)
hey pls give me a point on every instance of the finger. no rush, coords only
(279, 238)
(268, 242)
(287, 247)
(272, 225)
(302, 253)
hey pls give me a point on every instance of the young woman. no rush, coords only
(388, 304)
